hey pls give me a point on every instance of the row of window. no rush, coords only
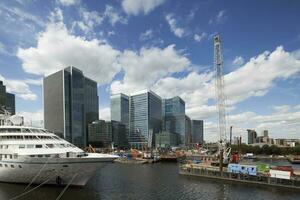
(22, 130)
(28, 137)
(11, 166)
(49, 146)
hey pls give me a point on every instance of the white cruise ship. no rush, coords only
(37, 156)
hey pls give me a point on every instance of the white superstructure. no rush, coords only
(35, 155)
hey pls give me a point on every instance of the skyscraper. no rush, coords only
(188, 130)
(173, 114)
(7, 100)
(70, 104)
(197, 131)
(145, 118)
(252, 135)
(119, 108)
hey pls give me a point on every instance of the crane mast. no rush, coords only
(219, 87)
(220, 98)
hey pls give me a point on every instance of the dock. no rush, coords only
(194, 170)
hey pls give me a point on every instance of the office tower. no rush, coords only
(188, 130)
(119, 109)
(119, 136)
(166, 139)
(252, 135)
(266, 133)
(100, 133)
(173, 114)
(70, 104)
(145, 118)
(197, 131)
(7, 100)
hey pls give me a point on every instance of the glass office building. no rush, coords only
(70, 104)
(119, 110)
(197, 131)
(173, 113)
(7, 100)
(145, 118)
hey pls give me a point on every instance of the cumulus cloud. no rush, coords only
(114, 16)
(238, 60)
(200, 37)
(135, 7)
(90, 19)
(220, 18)
(142, 69)
(35, 119)
(57, 48)
(148, 34)
(68, 2)
(252, 79)
(19, 87)
(179, 32)
(104, 113)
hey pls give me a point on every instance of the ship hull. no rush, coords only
(64, 172)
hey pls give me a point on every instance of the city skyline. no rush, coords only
(163, 46)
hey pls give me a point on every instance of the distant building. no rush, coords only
(188, 131)
(252, 135)
(119, 136)
(166, 139)
(173, 115)
(197, 131)
(70, 104)
(145, 116)
(7, 100)
(236, 140)
(119, 109)
(100, 134)
(265, 133)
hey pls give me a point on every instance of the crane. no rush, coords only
(220, 98)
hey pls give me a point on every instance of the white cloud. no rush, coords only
(148, 34)
(220, 18)
(33, 118)
(200, 37)
(259, 74)
(104, 113)
(238, 60)
(114, 16)
(252, 79)
(142, 69)
(57, 48)
(19, 87)
(135, 7)
(68, 2)
(179, 32)
(23, 15)
(90, 19)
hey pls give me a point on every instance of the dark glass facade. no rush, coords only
(197, 131)
(119, 108)
(145, 118)
(100, 134)
(174, 116)
(7, 100)
(70, 104)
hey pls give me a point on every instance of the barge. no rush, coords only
(210, 172)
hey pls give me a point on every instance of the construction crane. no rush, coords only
(220, 98)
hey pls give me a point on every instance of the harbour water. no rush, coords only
(149, 181)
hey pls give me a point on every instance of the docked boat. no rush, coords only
(37, 156)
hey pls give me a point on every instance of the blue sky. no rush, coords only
(163, 45)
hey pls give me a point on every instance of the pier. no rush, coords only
(195, 170)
